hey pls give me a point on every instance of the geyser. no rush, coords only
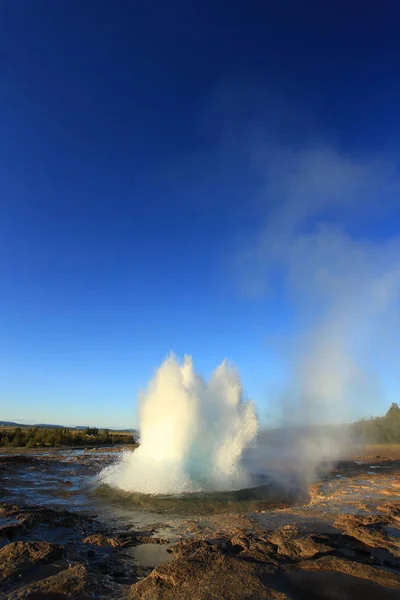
(193, 434)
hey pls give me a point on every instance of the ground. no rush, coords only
(342, 542)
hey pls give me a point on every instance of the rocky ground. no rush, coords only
(343, 543)
(357, 558)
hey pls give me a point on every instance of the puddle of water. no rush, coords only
(151, 555)
(58, 535)
(305, 585)
(384, 557)
(41, 572)
(393, 532)
(167, 533)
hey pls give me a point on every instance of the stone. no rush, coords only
(18, 556)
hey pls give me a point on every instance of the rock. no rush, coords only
(15, 526)
(74, 582)
(147, 538)
(122, 540)
(285, 564)
(34, 515)
(370, 531)
(246, 563)
(12, 530)
(202, 571)
(353, 568)
(7, 509)
(100, 540)
(391, 511)
(331, 586)
(23, 519)
(292, 544)
(18, 556)
(97, 539)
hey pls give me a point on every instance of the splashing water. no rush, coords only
(193, 434)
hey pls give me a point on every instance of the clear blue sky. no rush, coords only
(130, 179)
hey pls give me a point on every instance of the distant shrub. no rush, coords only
(380, 430)
(92, 431)
(32, 437)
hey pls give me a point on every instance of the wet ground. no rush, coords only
(68, 479)
(55, 498)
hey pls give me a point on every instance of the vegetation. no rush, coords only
(376, 430)
(379, 430)
(36, 437)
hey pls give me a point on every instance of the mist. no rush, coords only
(323, 237)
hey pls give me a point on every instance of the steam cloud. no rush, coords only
(322, 240)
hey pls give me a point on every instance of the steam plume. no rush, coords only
(341, 278)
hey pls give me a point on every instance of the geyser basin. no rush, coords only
(268, 496)
(193, 434)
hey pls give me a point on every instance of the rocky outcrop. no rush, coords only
(202, 570)
(19, 556)
(290, 543)
(24, 518)
(122, 540)
(74, 582)
(370, 531)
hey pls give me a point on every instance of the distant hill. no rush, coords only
(45, 425)
(51, 426)
(12, 424)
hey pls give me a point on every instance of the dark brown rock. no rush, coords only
(284, 564)
(122, 540)
(370, 531)
(31, 516)
(74, 582)
(145, 538)
(100, 540)
(326, 585)
(391, 512)
(205, 571)
(294, 545)
(18, 556)
(353, 568)
(12, 530)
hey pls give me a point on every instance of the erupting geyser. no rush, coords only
(192, 433)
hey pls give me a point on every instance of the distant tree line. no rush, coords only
(37, 437)
(379, 430)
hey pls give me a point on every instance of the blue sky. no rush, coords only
(150, 153)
